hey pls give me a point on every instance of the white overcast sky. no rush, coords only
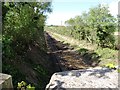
(64, 10)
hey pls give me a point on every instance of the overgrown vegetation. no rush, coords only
(23, 28)
(23, 86)
(97, 26)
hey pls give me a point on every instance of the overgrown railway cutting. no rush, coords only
(62, 56)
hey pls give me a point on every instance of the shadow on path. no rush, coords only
(64, 58)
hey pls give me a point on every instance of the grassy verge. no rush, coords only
(73, 42)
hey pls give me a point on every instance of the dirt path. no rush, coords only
(63, 56)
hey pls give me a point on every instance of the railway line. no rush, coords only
(62, 56)
(51, 50)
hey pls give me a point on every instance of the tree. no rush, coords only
(103, 24)
(97, 26)
(23, 24)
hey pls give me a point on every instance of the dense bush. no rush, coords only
(23, 25)
(96, 26)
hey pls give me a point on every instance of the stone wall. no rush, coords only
(86, 78)
(6, 82)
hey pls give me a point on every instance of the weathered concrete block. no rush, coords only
(6, 82)
(85, 79)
